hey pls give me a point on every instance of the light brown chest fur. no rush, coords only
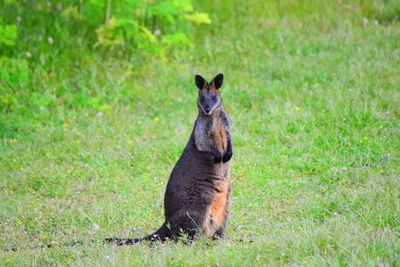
(219, 136)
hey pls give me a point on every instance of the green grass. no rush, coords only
(314, 99)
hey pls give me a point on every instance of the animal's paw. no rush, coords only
(217, 157)
(227, 157)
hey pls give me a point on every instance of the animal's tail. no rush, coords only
(161, 234)
(52, 245)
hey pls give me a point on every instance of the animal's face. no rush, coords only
(208, 101)
(209, 97)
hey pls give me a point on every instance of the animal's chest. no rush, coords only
(218, 135)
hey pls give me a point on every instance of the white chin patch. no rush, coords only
(209, 113)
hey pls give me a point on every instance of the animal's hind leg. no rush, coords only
(186, 222)
(161, 234)
(219, 234)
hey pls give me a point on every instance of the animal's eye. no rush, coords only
(214, 98)
(201, 98)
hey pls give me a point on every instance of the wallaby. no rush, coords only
(197, 199)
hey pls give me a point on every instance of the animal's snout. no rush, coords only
(207, 108)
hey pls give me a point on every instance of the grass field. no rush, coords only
(313, 92)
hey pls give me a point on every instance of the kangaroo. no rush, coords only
(197, 198)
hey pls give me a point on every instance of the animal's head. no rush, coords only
(209, 98)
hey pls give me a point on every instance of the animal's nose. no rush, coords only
(207, 108)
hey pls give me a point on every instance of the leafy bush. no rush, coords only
(8, 35)
(14, 73)
(148, 25)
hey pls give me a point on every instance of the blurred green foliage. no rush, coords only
(48, 33)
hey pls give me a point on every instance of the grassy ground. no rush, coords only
(313, 93)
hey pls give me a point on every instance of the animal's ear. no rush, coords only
(217, 81)
(200, 81)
